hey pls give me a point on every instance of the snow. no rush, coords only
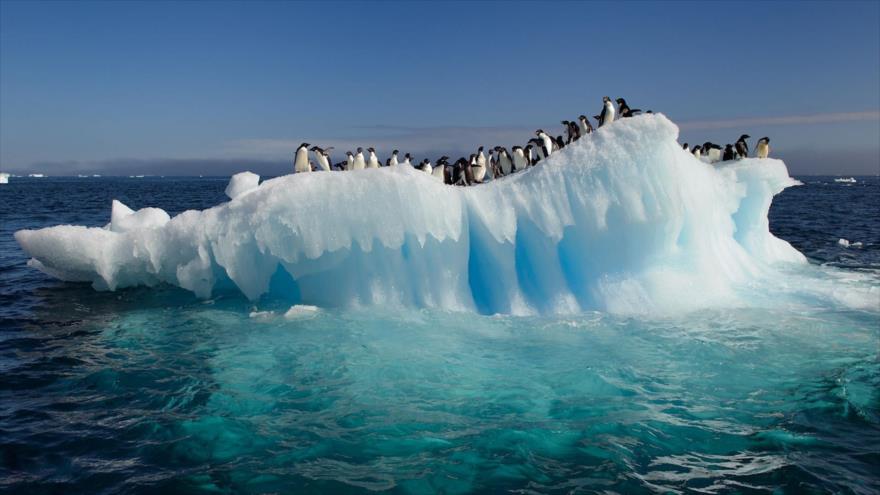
(623, 221)
(241, 183)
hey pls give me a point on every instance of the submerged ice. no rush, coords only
(623, 221)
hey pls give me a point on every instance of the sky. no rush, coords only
(201, 88)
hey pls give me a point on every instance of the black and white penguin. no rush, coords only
(407, 159)
(572, 131)
(359, 162)
(493, 164)
(560, 143)
(585, 126)
(439, 171)
(742, 147)
(301, 159)
(426, 166)
(520, 162)
(547, 141)
(478, 168)
(729, 154)
(697, 151)
(505, 163)
(372, 160)
(340, 166)
(608, 112)
(349, 161)
(540, 149)
(762, 149)
(459, 177)
(685, 147)
(392, 160)
(322, 156)
(712, 151)
(529, 151)
(624, 109)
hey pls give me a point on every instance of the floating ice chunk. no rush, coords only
(241, 183)
(301, 311)
(124, 219)
(846, 243)
(623, 220)
(4, 178)
(850, 180)
(261, 315)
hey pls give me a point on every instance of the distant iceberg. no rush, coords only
(623, 221)
(849, 180)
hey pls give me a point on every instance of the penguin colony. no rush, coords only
(499, 161)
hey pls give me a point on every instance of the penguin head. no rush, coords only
(360, 150)
(685, 146)
(529, 146)
(407, 156)
(304, 145)
(765, 139)
(539, 132)
(605, 99)
(371, 150)
(620, 101)
(728, 147)
(315, 148)
(480, 149)
(395, 152)
(349, 154)
(744, 137)
(582, 117)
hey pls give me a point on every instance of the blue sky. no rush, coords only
(201, 88)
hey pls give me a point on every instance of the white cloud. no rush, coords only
(820, 118)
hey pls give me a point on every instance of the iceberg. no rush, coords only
(622, 221)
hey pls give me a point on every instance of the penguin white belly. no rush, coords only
(393, 161)
(373, 163)
(359, 163)
(301, 164)
(714, 155)
(479, 172)
(548, 143)
(428, 169)
(437, 173)
(762, 150)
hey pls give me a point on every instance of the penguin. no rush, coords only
(458, 172)
(359, 162)
(349, 161)
(713, 151)
(742, 147)
(504, 161)
(520, 162)
(323, 157)
(439, 171)
(729, 154)
(407, 159)
(529, 152)
(469, 169)
(697, 151)
(624, 109)
(685, 147)
(493, 164)
(426, 166)
(559, 143)
(608, 112)
(762, 149)
(373, 161)
(340, 166)
(571, 131)
(479, 167)
(481, 158)
(585, 126)
(392, 160)
(540, 149)
(301, 161)
(547, 140)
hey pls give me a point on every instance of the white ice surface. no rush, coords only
(623, 221)
(241, 183)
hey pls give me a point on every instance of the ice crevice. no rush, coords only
(623, 221)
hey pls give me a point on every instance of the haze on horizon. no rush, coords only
(217, 88)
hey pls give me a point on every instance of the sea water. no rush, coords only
(152, 390)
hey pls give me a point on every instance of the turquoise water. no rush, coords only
(155, 391)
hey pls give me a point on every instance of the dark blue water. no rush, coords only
(154, 391)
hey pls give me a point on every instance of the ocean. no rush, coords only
(151, 390)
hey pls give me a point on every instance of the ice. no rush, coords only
(846, 243)
(241, 183)
(301, 311)
(623, 221)
(124, 219)
(850, 180)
